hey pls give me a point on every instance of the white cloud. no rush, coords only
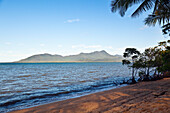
(77, 46)
(143, 27)
(113, 51)
(120, 51)
(129, 16)
(93, 46)
(59, 46)
(42, 45)
(72, 20)
(86, 46)
(21, 44)
(11, 56)
(8, 43)
(109, 47)
(9, 52)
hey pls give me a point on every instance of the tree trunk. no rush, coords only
(148, 71)
(133, 77)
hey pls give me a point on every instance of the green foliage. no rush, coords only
(125, 62)
(165, 59)
(155, 59)
(131, 55)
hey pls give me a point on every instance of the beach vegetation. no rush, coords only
(152, 64)
(131, 55)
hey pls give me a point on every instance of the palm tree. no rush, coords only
(166, 28)
(162, 16)
(160, 13)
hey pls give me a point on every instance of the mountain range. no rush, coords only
(96, 56)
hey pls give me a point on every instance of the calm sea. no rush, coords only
(26, 85)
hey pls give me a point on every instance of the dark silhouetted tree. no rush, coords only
(131, 55)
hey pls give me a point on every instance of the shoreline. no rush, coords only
(152, 96)
(59, 62)
(74, 96)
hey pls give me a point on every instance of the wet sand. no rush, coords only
(143, 97)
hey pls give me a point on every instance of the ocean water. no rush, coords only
(24, 85)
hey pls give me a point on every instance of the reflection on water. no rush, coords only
(25, 85)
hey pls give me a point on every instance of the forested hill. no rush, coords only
(97, 56)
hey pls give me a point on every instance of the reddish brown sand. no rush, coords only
(143, 97)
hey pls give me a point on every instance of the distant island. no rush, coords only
(96, 56)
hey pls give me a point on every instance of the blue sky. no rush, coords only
(67, 27)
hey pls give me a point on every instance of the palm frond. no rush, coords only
(146, 5)
(161, 15)
(156, 6)
(166, 29)
(151, 20)
(123, 5)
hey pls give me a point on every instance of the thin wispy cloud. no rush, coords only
(93, 46)
(143, 27)
(59, 46)
(42, 45)
(86, 46)
(9, 52)
(122, 50)
(8, 43)
(109, 47)
(21, 44)
(72, 21)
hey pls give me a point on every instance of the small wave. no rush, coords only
(23, 76)
(44, 74)
(12, 102)
(8, 81)
(83, 81)
(9, 103)
(96, 78)
(51, 94)
(92, 72)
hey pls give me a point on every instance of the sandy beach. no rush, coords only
(143, 97)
